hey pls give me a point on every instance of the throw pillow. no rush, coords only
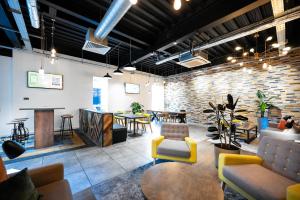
(18, 187)
(281, 124)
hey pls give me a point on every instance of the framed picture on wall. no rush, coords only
(131, 88)
(45, 81)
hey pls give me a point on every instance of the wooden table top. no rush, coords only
(131, 116)
(179, 181)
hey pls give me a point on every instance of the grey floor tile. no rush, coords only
(71, 164)
(78, 181)
(94, 159)
(104, 171)
(32, 163)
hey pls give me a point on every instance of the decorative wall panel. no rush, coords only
(193, 90)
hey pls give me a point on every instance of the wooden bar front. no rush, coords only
(44, 128)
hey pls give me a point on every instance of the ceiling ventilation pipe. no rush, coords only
(116, 11)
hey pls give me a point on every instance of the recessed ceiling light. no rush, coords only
(238, 48)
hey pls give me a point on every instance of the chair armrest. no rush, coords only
(236, 159)
(193, 147)
(293, 192)
(44, 175)
(155, 143)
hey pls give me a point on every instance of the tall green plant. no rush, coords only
(136, 107)
(263, 102)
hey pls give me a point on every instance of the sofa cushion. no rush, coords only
(281, 156)
(174, 148)
(257, 181)
(174, 131)
(56, 190)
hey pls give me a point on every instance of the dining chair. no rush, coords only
(145, 121)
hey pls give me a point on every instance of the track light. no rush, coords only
(177, 4)
(269, 38)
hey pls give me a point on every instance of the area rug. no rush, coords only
(127, 186)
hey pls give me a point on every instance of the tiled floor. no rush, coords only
(89, 166)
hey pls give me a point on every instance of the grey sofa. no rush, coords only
(273, 174)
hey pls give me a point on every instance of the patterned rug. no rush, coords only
(127, 186)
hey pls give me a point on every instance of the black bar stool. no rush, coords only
(66, 119)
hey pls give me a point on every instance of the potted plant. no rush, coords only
(136, 107)
(263, 104)
(226, 120)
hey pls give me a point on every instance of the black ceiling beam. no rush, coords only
(45, 2)
(187, 28)
(12, 36)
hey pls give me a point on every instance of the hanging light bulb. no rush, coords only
(238, 48)
(252, 50)
(118, 72)
(241, 64)
(275, 45)
(265, 65)
(53, 51)
(133, 2)
(233, 61)
(245, 54)
(177, 4)
(229, 58)
(286, 48)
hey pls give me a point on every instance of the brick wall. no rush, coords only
(193, 90)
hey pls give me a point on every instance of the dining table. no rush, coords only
(132, 117)
(181, 114)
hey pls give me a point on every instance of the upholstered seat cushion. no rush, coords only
(174, 148)
(56, 190)
(258, 181)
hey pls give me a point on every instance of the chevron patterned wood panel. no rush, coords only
(193, 90)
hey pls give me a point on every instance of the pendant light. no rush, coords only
(118, 72)
(130, 67)
(53, 50)
(107, 76)
(41, 70)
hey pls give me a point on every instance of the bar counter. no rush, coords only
(97, 126)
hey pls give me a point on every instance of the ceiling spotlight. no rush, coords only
(175, 43)
(275, 45)
(233, 60)
(238, 48)
(244, 69)
(177, 4)
(252, 50)
(229, 58)
(269, 38)
(241, 64)
(133, 2)
(265, 65)
(286, 48)
(245, 53)
(107, 76)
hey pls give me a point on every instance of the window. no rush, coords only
(100, 93)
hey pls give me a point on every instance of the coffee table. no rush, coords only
(176, 181)
(250, 130)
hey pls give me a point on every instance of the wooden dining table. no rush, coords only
(132, 117)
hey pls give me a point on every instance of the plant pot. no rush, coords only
(224, 149)
(263, 123)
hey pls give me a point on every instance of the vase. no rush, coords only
(263, 123)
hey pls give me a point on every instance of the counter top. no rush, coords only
(41, 108)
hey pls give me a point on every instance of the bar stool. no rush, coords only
(66, 119)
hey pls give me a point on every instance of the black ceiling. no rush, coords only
(152, 26)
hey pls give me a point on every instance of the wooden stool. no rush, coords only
(66, 118)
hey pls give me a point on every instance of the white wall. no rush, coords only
(5, 93)
(77, 92)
